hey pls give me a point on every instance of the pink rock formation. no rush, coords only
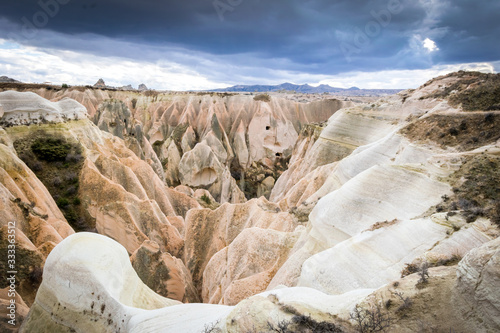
(210, 231)
(163, 273)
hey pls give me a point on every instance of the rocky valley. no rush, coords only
(146, 211)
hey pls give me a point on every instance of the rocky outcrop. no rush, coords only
(210, 231)
(200, 168)
(114, 116)
(245, 134)
(142, 87)
(478, 280)
(97, 272)
(246, 266)
(30, 213)
(29, 108)
(100, 84)
(122, 195)
(242, 133)
(127, 87)
(89, 283)
(163, 273)
(134, 205)
(6, 79)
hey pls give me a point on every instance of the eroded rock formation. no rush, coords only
(390, 206)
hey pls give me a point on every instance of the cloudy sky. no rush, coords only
(203, 44)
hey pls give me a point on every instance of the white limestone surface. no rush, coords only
(25, 108)
(381, 193)
(89, 285)
(371, 258)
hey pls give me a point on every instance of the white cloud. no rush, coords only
(30, 64)
(403, 79)
(193, 71)
(430, 45)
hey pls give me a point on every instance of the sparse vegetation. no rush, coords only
(383, 224)
(50, 149)
(206, 199)
(303, 323)
(423, 272)
(450, 261)
(300, 322)
(474, 91)
(282, 327)
(409, 269)
(309, 324)
(464, 132)
(475, 189)
(263, 98)
(29, 263)
(256, 173)
(406, 301)
(57, 162)
(370, 320)
(212, 328)
(151, 93)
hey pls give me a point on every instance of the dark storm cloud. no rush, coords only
(473, 31)
(313, 36)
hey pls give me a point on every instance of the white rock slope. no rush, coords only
(27, 108)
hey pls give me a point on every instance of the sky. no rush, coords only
(208, 44)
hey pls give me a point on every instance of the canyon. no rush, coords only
(146, 211)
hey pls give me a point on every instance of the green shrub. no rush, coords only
(62, 202)
(50, 149)
(206, 199)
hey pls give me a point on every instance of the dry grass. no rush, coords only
(462, 131)
(474, 91)
(475, 189)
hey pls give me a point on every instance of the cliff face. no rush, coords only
(367, 199)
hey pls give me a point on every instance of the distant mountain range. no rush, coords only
(307, 89)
